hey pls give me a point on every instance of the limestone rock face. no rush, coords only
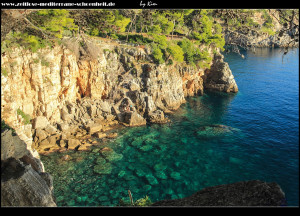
(246, 193)
(134, 119)
(71, 92)
(23, 180)
(21, 185)
(220, 77)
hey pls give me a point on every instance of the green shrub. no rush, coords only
(4, 72)
(55, 21)
(146, 201)
(176, 52)
(26, 117)
(31, 42)
(4, 127)
(157, 54)
(267, 30)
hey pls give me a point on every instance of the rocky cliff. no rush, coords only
(70, 97)
(59, 98)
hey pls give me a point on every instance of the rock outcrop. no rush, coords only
(65, 94)
(219, 77)
(23, 180)
(246, 193)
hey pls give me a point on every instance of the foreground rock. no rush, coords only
(23, 180)
(246, 193)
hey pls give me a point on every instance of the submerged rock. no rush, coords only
(105, 168)
(110, 155)
(212, 131)
(245, 193)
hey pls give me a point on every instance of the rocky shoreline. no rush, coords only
(73, 100)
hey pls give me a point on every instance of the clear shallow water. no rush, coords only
(260, 141)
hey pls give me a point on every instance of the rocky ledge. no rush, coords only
(245, 193)
(23, 180)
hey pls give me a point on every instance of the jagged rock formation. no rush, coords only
(246, 193)
(23, 180)
(64, 92)
(220, 77)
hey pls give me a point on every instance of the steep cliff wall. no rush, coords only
(64, 92)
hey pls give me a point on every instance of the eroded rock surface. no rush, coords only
(246, 193)
(23, 180)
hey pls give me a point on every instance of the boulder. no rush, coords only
(50, 129)
(158, 117)
(105, 168)
(105, 106)
(65, 116)
(245, 193)
(134, 119)
(40, 122)
(12, 146)
(41, 134)
(100, 135)
(73, 143)
(64, 127)
(93, 128)
(133, 86)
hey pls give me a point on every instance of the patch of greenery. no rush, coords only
(157, 54)
(175, 51)
(26, 117)
(4, 127)
(31, 42)
(55, 22)
(135, 38)
(267, 30)
(4, 72)
(145, 201)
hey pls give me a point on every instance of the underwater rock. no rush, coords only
(146, 147)
(112, 135)
(140, 172)
(175, 175)
(66, 158)
(110, 154)
(103, 168)
(137, 142)
(100, 161)
(161, 175)
(211, 131)
(121, 173)
(160, 166)
(147, 187)
(151, 179)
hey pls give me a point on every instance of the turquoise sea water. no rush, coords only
(213, 139)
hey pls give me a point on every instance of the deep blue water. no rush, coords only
(259, 140)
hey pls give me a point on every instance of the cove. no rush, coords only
(214, 139)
